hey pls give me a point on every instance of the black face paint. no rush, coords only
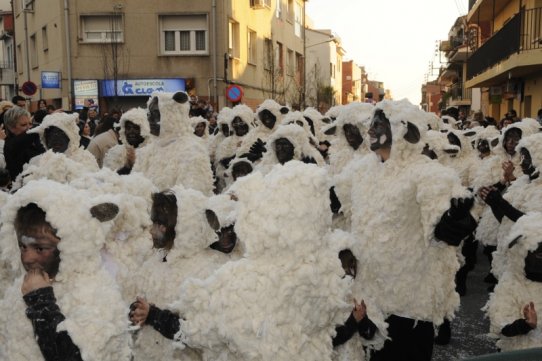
(56, 139)
(227, 238)
(533, 265)
(267, 118)
(240, 169)
(483, 147)
(380, 131)
(239, 126)
(284, 150)
(225, 128)
(352, 135)
(153, 116)
(132, 132)
(511, 140)
(349, 262)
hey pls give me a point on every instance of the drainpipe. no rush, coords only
(26, 43)
(215, 57)
(68, 51)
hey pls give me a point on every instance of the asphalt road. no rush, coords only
(470, 327)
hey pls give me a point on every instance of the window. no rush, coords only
(233, 39)
(252, 50)
(290, 66)
(184, 34)
(278, 12)
(279, 56)
(298, 19)
(27, 5)
(291, 10)
(298, 66)
(268, 53)
(258, 4)
(33, 52)
(102, 29)
(44, 38)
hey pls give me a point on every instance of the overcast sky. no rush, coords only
(393, 39)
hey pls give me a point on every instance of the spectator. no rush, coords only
(19, 101)
(4, 105)
(50, 108)
(84, 132)
(38, 116)
(539, 116)
(42, 104)
(105, 138)
(212, 123)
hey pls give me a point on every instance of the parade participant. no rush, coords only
(58, 244)
(176, 140)
(426, 203)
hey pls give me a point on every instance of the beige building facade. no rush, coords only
(118, 52)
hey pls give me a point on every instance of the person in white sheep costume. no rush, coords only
(302, 150)
(353, 349)
(500, 170)
(116, 157)
(177, 156)
(408, 268)
(269, 117)
(192, 255)
(524, 195)
(65, 159)
(512, 307)
(200, 126)
(241, 119)
(88, 316)
(222, 131)
(239, 167)
(282, 300)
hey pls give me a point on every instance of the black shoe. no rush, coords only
(444, 333)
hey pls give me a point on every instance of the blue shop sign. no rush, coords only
(141, 87)
(50, 80)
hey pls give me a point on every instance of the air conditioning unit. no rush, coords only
(259, 4)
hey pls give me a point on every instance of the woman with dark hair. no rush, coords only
(84, 132)
(42, 105)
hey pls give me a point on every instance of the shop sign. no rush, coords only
(140, 87)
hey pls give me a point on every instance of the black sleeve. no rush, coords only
(366, 328)
(501, 207)
(124, 170)
(500, 187)
(335, 203)
(346, 331)
(163, 321)
(516, 328)
(83, 114)
(45, 316)
(453, 231)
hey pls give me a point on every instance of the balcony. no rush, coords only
(459, 95)
(516, 47)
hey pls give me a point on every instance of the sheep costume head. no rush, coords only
(271, 107)
(356, 114)
(82, 287)
(527, 126)
(171, 112)
(300, 120)
(314, 118)
(225, 116)
(221, 212)
(408, 126)
(65, 122)
(245, 113)
(138, 116)
(489, 134)
(533, 143)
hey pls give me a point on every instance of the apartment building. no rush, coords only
(505, 44)
(118, 52)
(354, 82)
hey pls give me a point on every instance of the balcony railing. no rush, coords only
(458, 92)
(521, 33)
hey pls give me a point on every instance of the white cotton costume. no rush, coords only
(194, 121)
(299, 139)
(284, 298)
(486, 232)
(523, 194)
(404, 268)
(514, 290)
(224, 118)
(317, 124)
(60, 167)
(353, 349)
(261, 131)
(115, 158)
(462, 160)
(190, 256)
(88, 297)
(176, 156)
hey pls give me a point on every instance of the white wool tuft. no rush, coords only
(514, 290)
(174, 119)
(138, 116)
(224, 207)
(65, 122)
(257, 308)
(82, 287)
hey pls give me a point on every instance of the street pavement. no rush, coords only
(470, 328)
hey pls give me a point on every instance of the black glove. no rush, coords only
(258, 147)
(226, 161)
(308, 160)
(460, 207)
(494, 198)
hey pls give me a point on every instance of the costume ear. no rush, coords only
(104, 211)
(284, 110)
(494, 142)
(469, 134)
(331, 131)
(413, 133)
(212, 219)
(444, 130)
(180, 97)
(515, 241)
(326, 120)
(311, 124)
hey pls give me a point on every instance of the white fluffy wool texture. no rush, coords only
(224, 207)
(159, 281)
(215, 140)
(228, 173)
(194, 121)
(54, 166)
(296, 118)
(340, 152)
(65, 122)
(86, 294)
(403, 268)
(462, 161)
(514, 290)
(284, 298)
(316, 118)
(115, 157)
(302, 148)
(448, 122)
(177, 156)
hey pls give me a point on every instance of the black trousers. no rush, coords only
(410, 341)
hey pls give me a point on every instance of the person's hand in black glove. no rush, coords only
(226, 161)
(490, 195)
(460, 207)
(308, 160)
(258, 147)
